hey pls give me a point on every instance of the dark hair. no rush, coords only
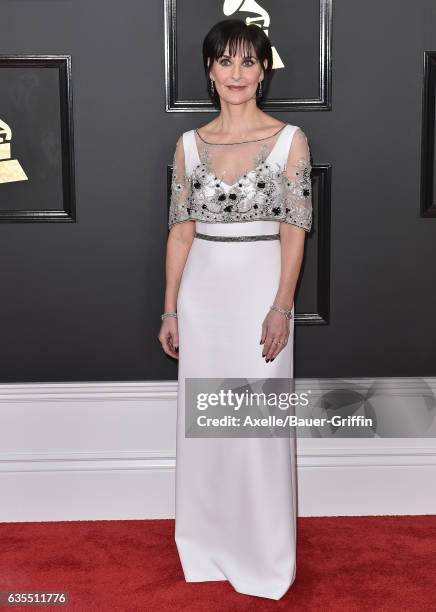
(236, 33)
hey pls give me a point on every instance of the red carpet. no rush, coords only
(349, 564)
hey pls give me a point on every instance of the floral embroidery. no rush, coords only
(297, 195)
(180, 195)
(265, 193)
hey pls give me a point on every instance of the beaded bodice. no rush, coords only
(265, 179)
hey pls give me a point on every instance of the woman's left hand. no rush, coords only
(275, 334)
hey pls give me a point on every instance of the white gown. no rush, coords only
(235, 497)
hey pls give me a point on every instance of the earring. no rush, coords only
(260, 88)
(212, 88)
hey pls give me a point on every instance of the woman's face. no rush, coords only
(236, 78)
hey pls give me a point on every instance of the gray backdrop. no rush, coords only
(81, 301)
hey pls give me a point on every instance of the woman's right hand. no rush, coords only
(169, 336)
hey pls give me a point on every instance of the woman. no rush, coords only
(240, 209)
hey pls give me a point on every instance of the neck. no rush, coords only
(239, 120)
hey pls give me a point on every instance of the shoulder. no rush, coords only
(186, 150)
(297, 131)
(298, 150)
(295, 137)
(298, 139)
(184, 138)
(181, 148)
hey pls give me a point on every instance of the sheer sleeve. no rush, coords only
(297, 183)
(180, 188)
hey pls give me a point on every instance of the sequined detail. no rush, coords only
(237, 238)
(297, 195)
(271, 191)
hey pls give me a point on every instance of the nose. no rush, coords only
(236, 71)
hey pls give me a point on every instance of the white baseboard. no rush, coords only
(106, 451)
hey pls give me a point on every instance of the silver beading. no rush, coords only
(237, 238)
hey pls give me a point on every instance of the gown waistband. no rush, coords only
(237, 238)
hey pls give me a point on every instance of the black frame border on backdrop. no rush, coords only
(428, 206)
(68, 212)
(323, 102)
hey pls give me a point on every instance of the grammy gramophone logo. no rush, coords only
(262, 20)
(10, 169)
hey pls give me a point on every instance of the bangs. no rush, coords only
(237, 42)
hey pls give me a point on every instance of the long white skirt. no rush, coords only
(235, 497)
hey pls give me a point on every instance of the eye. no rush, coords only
(246, 62)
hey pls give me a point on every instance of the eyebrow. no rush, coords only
(245, 56)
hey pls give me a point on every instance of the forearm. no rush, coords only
(292, 241)
(176, 255)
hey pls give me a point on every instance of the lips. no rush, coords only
(236, 87)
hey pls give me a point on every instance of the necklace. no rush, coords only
(242, 142)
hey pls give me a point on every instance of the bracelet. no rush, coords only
(285, 311)
(168, 314)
